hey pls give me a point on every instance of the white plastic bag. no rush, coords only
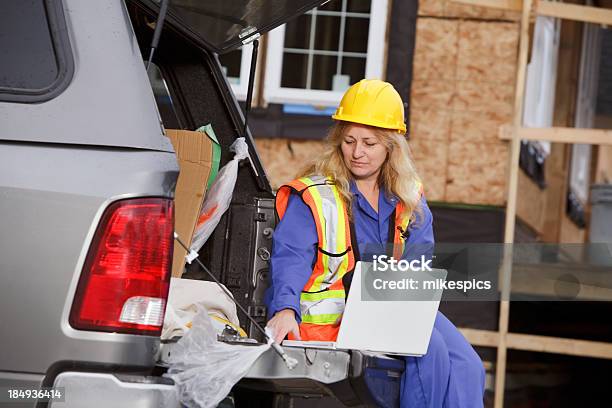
(218, 198)
(204, 369)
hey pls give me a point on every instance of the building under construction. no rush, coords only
(495, 96)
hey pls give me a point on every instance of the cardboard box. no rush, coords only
(198, 153)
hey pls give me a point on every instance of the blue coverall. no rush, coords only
(451, 374)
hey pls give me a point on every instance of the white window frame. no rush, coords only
(241, 89)
(274, 93)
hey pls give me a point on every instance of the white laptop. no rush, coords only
(401, 327)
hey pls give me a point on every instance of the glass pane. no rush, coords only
(218, 23)
(232, 62)
(297, 32)
(356, 34)
(295, 68)
(333, 5)
(354, 67)
(358, 6)
(323, 70)
(27, 58)
(327, 33)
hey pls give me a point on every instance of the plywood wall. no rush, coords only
(462, 91)
(284, 159)
(448, 9)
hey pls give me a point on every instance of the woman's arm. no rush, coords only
(293, 254)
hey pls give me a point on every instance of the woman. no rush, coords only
(362, 194)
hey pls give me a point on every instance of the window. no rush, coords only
(236, 66)
(538, 110)
(36, 65)
(586, 101)
(316, 57)
(542, 74)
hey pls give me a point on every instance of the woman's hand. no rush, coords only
(282, 323)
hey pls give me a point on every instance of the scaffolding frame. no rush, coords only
(502, 339)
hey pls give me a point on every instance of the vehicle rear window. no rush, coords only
(33, 60)
(221, 25)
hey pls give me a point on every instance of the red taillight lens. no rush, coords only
(125, 281)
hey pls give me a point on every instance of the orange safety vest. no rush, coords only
(323, 298)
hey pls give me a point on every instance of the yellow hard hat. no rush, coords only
(372, 102)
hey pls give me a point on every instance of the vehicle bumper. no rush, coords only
(107, 390)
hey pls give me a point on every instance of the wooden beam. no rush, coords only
(510, 221)
(558, 345)
(560, 135)
(508, 5)
(515, 139)
(549, 287)
(541, 344)
(482, 338)
(575, 12)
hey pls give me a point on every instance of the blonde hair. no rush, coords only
(398, 175)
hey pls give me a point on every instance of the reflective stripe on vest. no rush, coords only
(400, 229)
(323, 307)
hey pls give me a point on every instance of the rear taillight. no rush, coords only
(125, 281)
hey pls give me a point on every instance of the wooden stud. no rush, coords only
(560, 135)
(575, 12)
(507, 5)
(506, 267)
(541, 344)
(517, 122)
(558, 345)
(483, 338)
(548, 281)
